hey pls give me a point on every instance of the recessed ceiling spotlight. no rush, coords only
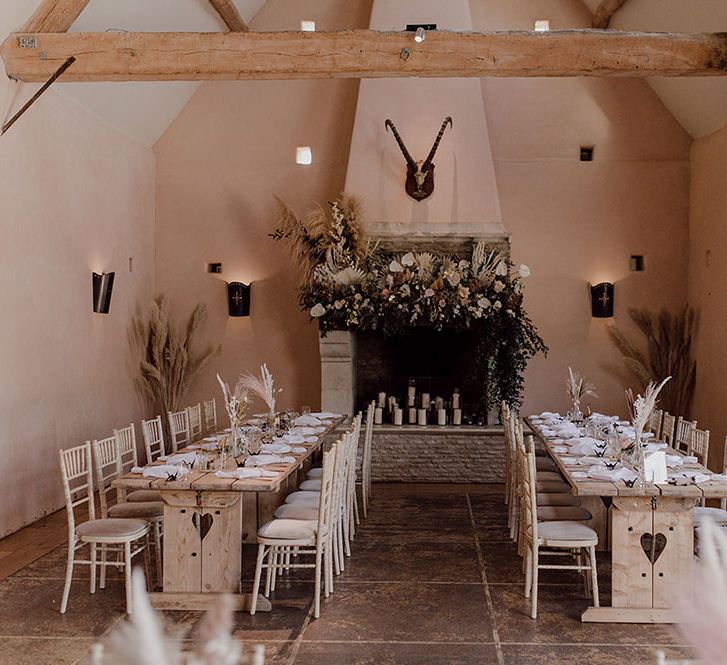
(303, 155)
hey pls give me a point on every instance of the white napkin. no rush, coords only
(242, 473)
(263, 460)
(695, 477)
(289, 439)
(307, 420)
(655, 447)
(549, 414)
(325, 415)
(547, 432)
(579, 474)
(614, 475)
(592, 461)
(674, 460)
(560, 449)
(568, 434)
(306, 431)
(690, 459)
(281, 448)
(569, 460)
(718, 476)
(161, 471)
(181, 458)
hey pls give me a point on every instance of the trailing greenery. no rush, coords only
(668, 352)
(347, 283)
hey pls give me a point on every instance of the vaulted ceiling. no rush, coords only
(144, 110)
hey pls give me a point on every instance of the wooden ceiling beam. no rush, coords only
(55, 15)
(229, 14)
(117, 56)
(605, 11)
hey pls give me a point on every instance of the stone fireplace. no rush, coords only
(463, 209)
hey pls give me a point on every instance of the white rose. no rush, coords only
(429, 293)
(395, 266)
(499, 286)
(484, 303)
(317, 311)
(524, 271)
(497, 305)
(501, 269)
(407, 259)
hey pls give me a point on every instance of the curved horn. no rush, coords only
(409, 160)
(432, 152)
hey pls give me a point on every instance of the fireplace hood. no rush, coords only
(465, 200)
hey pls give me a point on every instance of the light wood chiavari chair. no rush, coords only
(179, 429)
(194, 418)
(668, 428)
(128, 535)
(153, 433)
(210, 416)
(655, 423)
(684, 434)
(107, 459)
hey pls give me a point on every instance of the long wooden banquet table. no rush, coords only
(208, 518)
(650, 531)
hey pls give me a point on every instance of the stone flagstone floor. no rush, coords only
(433, 580)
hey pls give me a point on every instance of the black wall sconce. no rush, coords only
(238, 298)
(602, 300)
(103, 284)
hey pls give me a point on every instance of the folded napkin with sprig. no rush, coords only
(264, 460)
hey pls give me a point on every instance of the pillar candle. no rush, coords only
(382, 399)
(411, 391)
(378, 415)
(422, 417)
(412, 416)
(411, 400)
(398, 416)
(438, 403)
(425, 400)
(457, 417)
(455, 401)
(441, 417)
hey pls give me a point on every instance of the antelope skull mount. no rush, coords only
(419, 175)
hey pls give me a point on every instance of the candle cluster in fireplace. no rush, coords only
(418, 408)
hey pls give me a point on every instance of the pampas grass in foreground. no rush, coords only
(701, 608)
(141, 640)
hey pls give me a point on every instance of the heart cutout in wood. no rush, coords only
(203, 524)
(653, 545)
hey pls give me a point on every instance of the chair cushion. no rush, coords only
(311, 485)
(148, 509)
(292, 511)
(316, 472)
(545, 464)
(307, 498)
(567, 531)
(545, 499)
(548, 476)
(552, 488)
(283, 529)
(555, 513)
(143, 496)
(715, 514)
(112, 528)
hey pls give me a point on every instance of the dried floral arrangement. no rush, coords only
(347, 283)
(142, 639)
(262, 386)
(669, 337)
(578, 388)
(169, 364)
(236, 401)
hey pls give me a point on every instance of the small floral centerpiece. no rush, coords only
(236, 404)
(578, 388)
(349, 283)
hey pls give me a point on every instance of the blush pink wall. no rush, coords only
(575, 222)
(220, 163)
(75, 196)
(707, 283)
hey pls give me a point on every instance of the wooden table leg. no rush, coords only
(202, 550)
(653, 549)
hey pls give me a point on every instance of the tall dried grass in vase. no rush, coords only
(142, 639)
(169, 364)
(262, 386)
(578, 388)
(668, 352)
